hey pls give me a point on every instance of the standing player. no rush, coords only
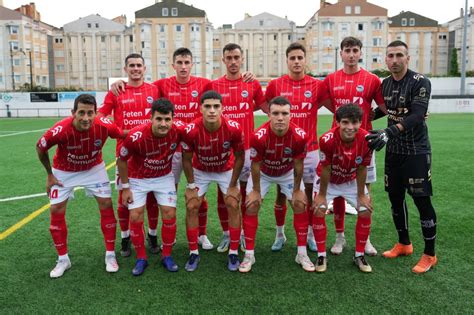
(149, 148)
(130, 109)
(305, 95)
(78, 162)
(278, 149)
(408, 156)
(239, 100)
(210, 145)
(342, 170)
(352, 84)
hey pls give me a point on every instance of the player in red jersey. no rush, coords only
(213, 151)
(305, 95)
(130, 109)
(78, 162)
(149, 149)
(239, 100)
(342, 170)
(278, 149)
(352, 84)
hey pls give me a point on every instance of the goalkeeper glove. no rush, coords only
(377, 139)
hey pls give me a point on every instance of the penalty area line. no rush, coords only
(21, 132)
(12, 229)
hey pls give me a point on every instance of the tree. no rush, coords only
(454, 66)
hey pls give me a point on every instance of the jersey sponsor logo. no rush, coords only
(418, 76)
(105, 120)
(193, 105)
(261, 133)
(94, 153)
(244, 105)
(225, 154)
(308, 94)
(360, 88)
(128, 100)
(287, 151)
(326, 137)
(358, 100)
(286, 160)
(43, 142)
(270, 151)
(170, 157)
(253, 152)
(174, 94)
(147, 111)
(73, 147)
(189, 127)
(244, 93)
(338, 88)
(123, 151)
(401, 99)
(234, 124)
(322, 156)
(56, 130)
(226, 145)
(422, 92)
(149, 99)
(306, 105)
(136, 135)
(206, 147)
(98, 143)
(194, 93)
(358, 159)
(286, 94)
(300, 132)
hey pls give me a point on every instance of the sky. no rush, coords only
(60, 12)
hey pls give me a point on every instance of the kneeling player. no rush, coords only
(344, 157)
(149, 149)
(278, 149)
(209, 147)
(78, 162)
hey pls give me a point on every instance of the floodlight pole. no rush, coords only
(463, 52)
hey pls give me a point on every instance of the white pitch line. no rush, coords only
(21, 132)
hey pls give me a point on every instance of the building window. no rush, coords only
(102, 39)
(96, 25)
(357, 9)
(360, 26)
(13, 29)
(89, 25)
(378, 25)
(404, 22)
(60, 68)
(162, 28)
(412, 21)
(348, 9)
(58, 40)
(377, 41)
(16, 62)
(328, 26)
(131, 38)
(162, 44)
(14, 45)
(442, 37)
(178, 28)
(260, 22)
(117, 39)
(164, 11)
(174, 11)
(274, 37)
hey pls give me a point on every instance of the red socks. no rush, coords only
(138, 239)
(58, 231)
(123, 214)
(234, 238)
(280, 214)
(339, 208)
(362, 232)
(108, 225)
(250, 231)
(300, 223)
(168, 235)
(202, 214)
(320, 233)
(192, 234)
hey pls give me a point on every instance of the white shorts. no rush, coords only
(95, 182)
(311, 161)
(371, 171)
(177, 166)
(245, 174)
(285, 181)
(203, 179)
(162, 187)
(347, 190)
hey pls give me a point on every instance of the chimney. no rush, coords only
(462, 12)
(246, 16)
(322, 4)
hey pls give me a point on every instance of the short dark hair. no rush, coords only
(134, 55)
(162, 106)
(295, 46)
(230, 47)
(183, 51)
(85, 99)
(210, 95)
(350, 111)
(351, 41)
(278, 100)
(397, 43)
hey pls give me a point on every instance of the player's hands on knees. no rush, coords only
(233, 196)
(364, 204)
(191, 197)
(127, 197)
(248, 76)
(117, 87)
(299, 199)
(320, 205)
(253, 200)
(51, 181)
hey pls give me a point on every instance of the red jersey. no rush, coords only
(343, 158)
(277, 153)
(185, 97)
(239, 100)
(78, 151)
(150, 156)
(213, 151)
(131, 108)
(304, 96)
(359, 88)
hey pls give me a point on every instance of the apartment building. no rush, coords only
(455, 28)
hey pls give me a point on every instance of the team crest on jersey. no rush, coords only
(184, 146)
(322, 156)
(253, 152)
(287, 151)
(123, 151)
(226, 145)
(173, 146)
(149, 99)
(194, 93)
(358, 159)
(244, 93)
(98, 143)
(360, 88)
(43, 142)
(308, 94)
(402, 99)
(422, 92)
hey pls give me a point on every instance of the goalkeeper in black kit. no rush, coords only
(408, 155)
